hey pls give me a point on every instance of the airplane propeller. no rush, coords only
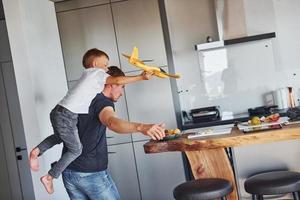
(147, 60)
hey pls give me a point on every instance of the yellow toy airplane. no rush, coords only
(157, 71)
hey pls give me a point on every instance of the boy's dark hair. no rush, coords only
(115, 71)
(89, 56)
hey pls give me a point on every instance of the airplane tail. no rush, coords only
(135, 54)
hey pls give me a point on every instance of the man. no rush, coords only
(87, 177)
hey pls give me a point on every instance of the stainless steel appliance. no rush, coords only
(206, 114)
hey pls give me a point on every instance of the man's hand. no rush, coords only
(109, 118)
(155, 131)
(147, 75)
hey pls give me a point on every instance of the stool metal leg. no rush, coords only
(223, 198)
(296, 196)
(257, 197)
(260, 197)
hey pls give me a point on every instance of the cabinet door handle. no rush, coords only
(109, 137)
(111, 152)
(19, 149)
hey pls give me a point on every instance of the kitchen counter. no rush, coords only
(207, 156)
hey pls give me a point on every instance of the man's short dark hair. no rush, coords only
(90, 55)
(115, 71)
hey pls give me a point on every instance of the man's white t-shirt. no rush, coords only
(79, 98)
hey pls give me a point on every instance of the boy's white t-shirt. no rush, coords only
(79, 98)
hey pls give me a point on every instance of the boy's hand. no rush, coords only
(147, 75)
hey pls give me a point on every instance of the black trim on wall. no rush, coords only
(223, 43)
(170, 61)
(176, 102)
(250, 38)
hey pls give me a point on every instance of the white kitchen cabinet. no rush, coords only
(137, 23)
(83, 29)
(150, 102)
(4, 43)
(158, 173)
(121, 165)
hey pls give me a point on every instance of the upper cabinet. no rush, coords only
(76, 4)
(150, 102)
(137, 23)
(83, 29)
(4, 43)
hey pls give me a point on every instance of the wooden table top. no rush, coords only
(235, 138)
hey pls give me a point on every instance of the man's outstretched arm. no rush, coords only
(109, 118)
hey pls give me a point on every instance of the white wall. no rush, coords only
(40, 75)
(260, 16)
(255, 67)
(288, 30)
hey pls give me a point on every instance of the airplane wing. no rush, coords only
(126, 56)
(172, 75)
(163, 74)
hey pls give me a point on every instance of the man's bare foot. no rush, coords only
(47, 181)
(33, 159)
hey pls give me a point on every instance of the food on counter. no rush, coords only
(172, 131)
(272, 118)
(255, 121)
(171, 134)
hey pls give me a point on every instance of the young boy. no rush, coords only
(64, 116)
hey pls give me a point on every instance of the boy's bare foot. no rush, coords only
(47, 181)
(33, 159)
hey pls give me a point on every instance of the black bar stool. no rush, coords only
(203, 189)
(272, 183)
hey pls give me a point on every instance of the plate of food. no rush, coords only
(256, 123)
(262, 128)
(172, 134)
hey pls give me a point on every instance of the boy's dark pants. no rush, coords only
(64, 123)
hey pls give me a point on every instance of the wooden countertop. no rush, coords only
(235, 138)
